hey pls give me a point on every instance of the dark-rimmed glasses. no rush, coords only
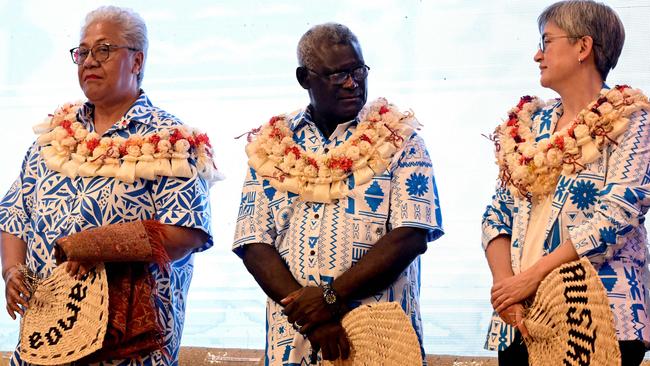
(358, 74)
(100, 52)
(547, 39)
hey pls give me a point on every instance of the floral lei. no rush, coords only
(529, 168)
(70, 149)
(381, 131)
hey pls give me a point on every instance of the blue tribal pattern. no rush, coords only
(321, 241)
(601, 210)
(42, 206)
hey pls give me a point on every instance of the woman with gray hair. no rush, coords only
(114, 180)
(572, 184)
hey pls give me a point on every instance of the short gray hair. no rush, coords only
(589, 18)
(332, 33)
(132, 26)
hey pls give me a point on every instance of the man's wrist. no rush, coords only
(332, 300)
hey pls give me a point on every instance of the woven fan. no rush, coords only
(380, 334)
(66, 318)
(570, 322)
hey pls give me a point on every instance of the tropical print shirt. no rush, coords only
(602, 210)
(319, 242)
(42, 206)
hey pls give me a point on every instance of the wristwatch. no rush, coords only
(331, 299)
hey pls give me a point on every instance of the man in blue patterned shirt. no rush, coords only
(47, 203)
(318, 260)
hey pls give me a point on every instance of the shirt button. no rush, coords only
(379, 230)
(326, 150)
(312, 252)
(316, 216)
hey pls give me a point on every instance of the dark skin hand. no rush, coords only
(272, 274)
(331, 339)
(375, 271)
(13, 254)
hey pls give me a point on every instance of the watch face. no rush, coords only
(330, 298)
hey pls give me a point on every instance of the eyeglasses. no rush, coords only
(100, 52)
(545, 40)
(358, 74)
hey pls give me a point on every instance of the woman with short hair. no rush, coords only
(116, 159)
(572, 182)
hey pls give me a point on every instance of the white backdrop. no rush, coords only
(227, 66)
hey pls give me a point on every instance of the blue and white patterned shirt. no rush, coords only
(602, 211)
(319, 242)
(42, 206)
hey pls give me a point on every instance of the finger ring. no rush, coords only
(295, 326)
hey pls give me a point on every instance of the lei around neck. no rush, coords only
(70, 149)
(380, 133)
(532, 168)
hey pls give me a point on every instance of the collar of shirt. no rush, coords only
(303, 118)
(137, 113)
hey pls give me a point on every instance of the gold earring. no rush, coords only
(579, 60)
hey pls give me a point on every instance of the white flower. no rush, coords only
(591, 118)
(163, 134)
(581, 131)
(539, 159)
(181, 146)
(615, 97)
(353, 152)
(310, 171)
(605, 108)
(164, 146)
(528, 149)
(554, 157)
(80, 134)
(148, 149)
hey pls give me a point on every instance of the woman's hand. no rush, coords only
(78, 269)
(513, 290)
(16, 292)
(514, 315)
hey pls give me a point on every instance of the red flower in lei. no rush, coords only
(203, 139)
(67, 125)
(343, 163)
(383, 110)
(92, 144)
(175, 136)
(312, 162)
(154, 139)
(523, 100)
(293, 149)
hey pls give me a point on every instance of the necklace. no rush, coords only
(532, 168)
(316, 177)
(70, 149)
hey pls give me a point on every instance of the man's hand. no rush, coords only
(331, 340)
(306, 308)
(16, 292)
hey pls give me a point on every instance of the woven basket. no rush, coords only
(570, 322)
(380, 334)
(66, 318)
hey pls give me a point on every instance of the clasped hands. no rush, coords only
(305, 308)
(508, 294)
